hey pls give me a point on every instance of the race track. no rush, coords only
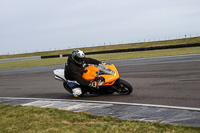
(171, 81)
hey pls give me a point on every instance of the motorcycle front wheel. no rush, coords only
(122, 87)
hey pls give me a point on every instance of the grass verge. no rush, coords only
(110, 47)
(104, 57)
(19, 119)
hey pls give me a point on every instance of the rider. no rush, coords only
(74, 69)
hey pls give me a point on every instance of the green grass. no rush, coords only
(19, 119)
(103, 57)
(110, 47)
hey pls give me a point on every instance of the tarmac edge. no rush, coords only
(129, 111)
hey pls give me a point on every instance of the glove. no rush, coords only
(93, 84)
(103, 63)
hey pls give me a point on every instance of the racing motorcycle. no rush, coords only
(107, 77)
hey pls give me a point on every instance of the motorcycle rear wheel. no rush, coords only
(66, 87)
(122, 87)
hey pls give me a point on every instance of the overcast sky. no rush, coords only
(32, 25)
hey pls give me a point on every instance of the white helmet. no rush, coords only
(78, 56)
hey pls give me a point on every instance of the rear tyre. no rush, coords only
(65, 85)
(122, 87)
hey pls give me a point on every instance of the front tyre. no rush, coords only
(122, 87)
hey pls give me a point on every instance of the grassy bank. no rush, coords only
(103, 57)
(19, 119)
(111, 47)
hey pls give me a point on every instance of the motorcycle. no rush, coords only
(107, 77)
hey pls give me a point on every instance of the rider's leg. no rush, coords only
(76, 89)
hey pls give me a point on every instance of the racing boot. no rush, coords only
(76, 92)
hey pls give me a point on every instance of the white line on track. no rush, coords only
(117, 103)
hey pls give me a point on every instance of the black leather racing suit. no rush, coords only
(74, 71)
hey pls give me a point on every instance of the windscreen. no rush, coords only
(104, 70)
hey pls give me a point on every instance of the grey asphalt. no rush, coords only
(127, 62)
(172, 80)
(19, 59)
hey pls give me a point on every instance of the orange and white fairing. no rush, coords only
(108, 73)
